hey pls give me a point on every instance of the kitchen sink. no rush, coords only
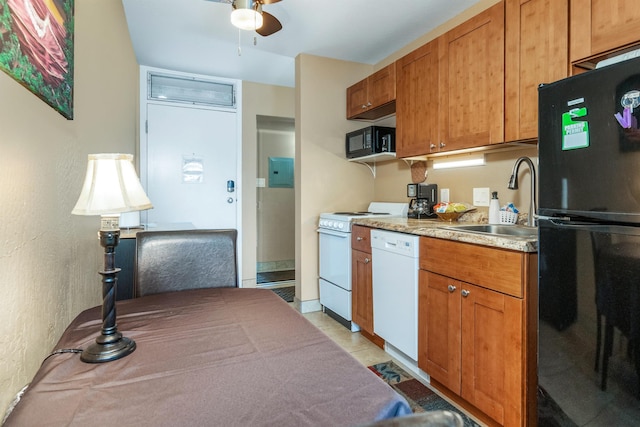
(502, 230)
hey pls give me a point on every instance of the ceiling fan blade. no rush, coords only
(270, 25)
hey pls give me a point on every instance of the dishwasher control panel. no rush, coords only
(405, 244)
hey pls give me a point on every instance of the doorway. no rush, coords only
(190, 159)
(275, 196)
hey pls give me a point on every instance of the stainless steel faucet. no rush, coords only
(513, 185)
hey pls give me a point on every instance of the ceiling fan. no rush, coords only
(248, 15)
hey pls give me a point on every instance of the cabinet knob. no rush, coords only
(359, 239)
(451, 288)
(442, 145)
(367, 260)
(465, 293)
(364, 107)
(432, 146)
(368, 104)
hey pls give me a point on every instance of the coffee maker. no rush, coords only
(424, 198)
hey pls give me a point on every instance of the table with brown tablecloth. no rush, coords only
(224, 356)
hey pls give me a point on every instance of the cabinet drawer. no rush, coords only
(361, 238)
(498, 269)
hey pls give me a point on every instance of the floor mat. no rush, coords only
(286, 293)
(420, 397)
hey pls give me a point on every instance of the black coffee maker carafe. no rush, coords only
(424, 198)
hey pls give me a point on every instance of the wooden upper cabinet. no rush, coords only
(472, 81)
(373, 97)
(417, 101)
(599, 26)
(537, 51)
(357, 99)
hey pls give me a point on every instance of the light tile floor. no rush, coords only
(354, 343)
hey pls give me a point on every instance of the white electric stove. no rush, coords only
(334, 231)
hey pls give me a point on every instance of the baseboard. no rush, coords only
(307, 306)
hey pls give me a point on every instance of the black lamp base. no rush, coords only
(106, 352)
(110, 344)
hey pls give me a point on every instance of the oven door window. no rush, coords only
(335, 258)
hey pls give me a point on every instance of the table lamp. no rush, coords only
(111, 187)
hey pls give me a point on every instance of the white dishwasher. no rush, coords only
(395, 289)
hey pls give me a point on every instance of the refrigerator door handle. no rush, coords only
(594, 227)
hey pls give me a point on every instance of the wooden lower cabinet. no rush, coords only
(361, 278)
(476, 342)
(362, 290)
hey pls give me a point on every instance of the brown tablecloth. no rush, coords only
(209, 357)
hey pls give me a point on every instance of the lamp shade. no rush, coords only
(246, 15)
(111, 186)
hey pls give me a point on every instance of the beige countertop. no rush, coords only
(434, 228)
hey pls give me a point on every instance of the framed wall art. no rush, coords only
(36, 48)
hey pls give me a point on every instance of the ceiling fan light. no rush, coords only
(246, 19)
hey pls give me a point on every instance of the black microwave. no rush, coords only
(370, 140)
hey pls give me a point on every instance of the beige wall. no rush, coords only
(393, 177)
(276, 206)
(325, 181)
(257, 100)
(50, 259)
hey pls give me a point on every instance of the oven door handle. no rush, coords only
(334, 233)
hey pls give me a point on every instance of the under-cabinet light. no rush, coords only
(459, 161)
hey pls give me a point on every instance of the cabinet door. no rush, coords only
(492, 354)
(439, 328)
(472, 81)
(537, 46)
(598, 26)
(382, 86)
(362, 290)
(356, 99)
(417, 102)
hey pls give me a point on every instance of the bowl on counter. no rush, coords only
(449, 216)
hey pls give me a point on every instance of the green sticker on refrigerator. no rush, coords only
(575, 133)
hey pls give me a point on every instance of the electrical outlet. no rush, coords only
(444, 195)
(481, 196)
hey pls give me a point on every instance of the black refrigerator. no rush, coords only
(589, 246)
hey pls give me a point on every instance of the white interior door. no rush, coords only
(191, 156)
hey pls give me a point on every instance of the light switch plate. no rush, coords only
(481, 196)
(444, 195)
